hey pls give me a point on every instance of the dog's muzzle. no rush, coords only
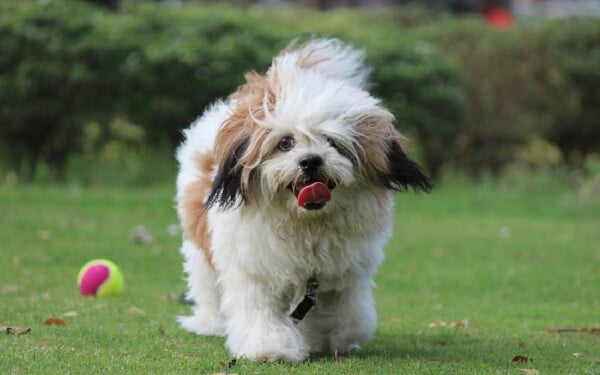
(312, 189)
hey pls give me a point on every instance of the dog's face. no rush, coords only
(301, 138)
(298, 160)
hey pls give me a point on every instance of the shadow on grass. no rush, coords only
(455, 349)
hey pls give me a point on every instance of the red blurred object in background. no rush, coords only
(499, 18)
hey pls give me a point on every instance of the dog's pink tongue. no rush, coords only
(313, 193)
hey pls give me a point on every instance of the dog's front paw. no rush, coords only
(349, 340)
(343, 347)
(275, 344)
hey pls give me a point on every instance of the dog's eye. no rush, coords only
(286, 143)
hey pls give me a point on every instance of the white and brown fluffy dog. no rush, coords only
(290, 179)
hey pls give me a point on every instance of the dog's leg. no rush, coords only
(207, 319)
(257, 325)
(356, 317)
(320, 321)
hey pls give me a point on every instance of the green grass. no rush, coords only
(513, 262)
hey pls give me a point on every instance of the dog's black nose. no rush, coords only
(310, 162)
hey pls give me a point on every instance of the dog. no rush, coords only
(284, 194)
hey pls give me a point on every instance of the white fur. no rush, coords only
(333, 59)
(200, 137)
(207, 319)
(264, 251)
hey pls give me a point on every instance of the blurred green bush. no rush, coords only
(536, 81)
(575, 47)
(66, 65)
(81, 83)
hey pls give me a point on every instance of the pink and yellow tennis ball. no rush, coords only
(100, 277)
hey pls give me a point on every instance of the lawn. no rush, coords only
(506, 263)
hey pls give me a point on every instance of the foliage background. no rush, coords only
(96, 95)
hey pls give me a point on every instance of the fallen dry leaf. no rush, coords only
(521, 344)
(70, 314)
(530, 371)
(439, 323)
(19, 330)
(101, 306)
(520, 358)
(55, 322)
(464, 323)
(14, 330)
(570, 329)
(135, 311)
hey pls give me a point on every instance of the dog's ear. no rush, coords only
(238, 144)
(401, 172)
(384, 158)
(228, 189)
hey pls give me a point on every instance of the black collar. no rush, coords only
(307, 302)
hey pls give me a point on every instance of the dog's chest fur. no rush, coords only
(283, 252)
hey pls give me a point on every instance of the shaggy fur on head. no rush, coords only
(249, 245)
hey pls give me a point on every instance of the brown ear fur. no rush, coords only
(238, 143)
(385, 161)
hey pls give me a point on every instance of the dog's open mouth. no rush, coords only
(313, 194)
